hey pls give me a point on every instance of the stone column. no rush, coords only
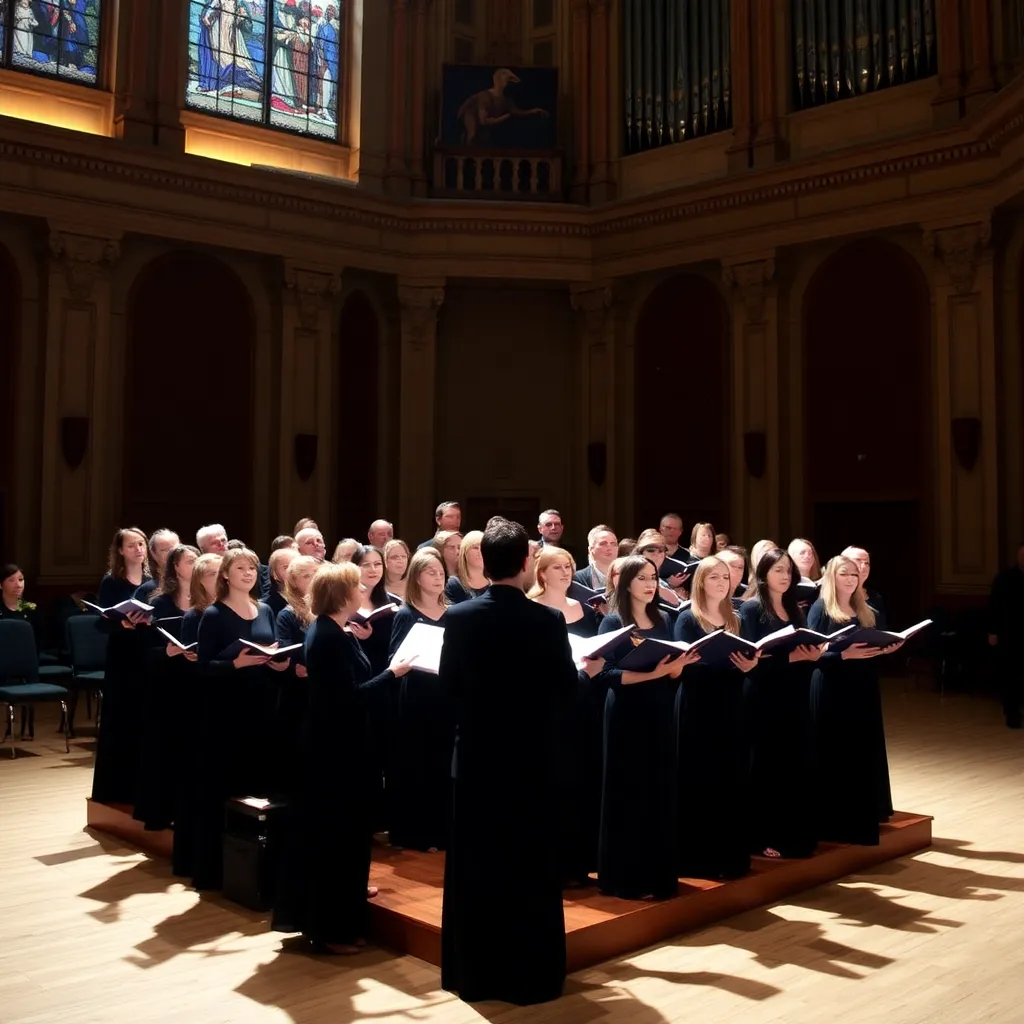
(306, 457)
(755, 399)
(596, 477)
(581, 57)
(604, 105)
(367, 134)
(133, 96)
(966, 420)
(420, 93)
(949, 38)
(396, 173)
(419, 301)
(768, 143)
(741, 60)
(81, 440)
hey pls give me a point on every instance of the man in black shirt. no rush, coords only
(1006, 623)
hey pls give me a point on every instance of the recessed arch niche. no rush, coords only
(187, 456)
(682, 405)
(867, 416)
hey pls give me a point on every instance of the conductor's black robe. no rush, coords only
(777, 713)
(326, 866)
(507, 664)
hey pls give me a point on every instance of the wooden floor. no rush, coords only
(92, 930)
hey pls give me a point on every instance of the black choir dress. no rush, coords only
(456, 591)
(637, 843)
(885, 809)
(292, 700)
(507, 664)
(187, 791)
(161, 719)
(235, 737)
(713, 822)
(849, 742)
(419, 784)
(583, 758)
(777, 714)
(326, 864)
(115, 775)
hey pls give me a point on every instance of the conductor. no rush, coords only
(508, 665)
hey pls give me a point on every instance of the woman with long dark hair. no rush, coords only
(116, 771)
(712, 773)
(776, 701)
(636, 850)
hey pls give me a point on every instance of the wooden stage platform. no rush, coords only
(406, 915)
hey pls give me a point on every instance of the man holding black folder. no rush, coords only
(507, 663)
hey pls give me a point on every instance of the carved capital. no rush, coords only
(312, 292)
(750, 280)
(961, 249)
(83, 259)
(419, 304)
(594, 303)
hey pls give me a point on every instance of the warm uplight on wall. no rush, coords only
(92, 115)
(263, 149)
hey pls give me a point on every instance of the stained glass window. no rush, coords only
(54, 37)
(271, 62)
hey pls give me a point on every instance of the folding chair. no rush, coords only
(19, 676)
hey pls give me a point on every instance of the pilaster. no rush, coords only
(420, 93)
(80, 439)
(768, 143)
(755, 396)
(306, 458)
(419, 301)
(966, 419)
(596, 481)
(603, 107)
(396, 172)
(740, 59)
(369, 108)
(951, 62)
(133, 94)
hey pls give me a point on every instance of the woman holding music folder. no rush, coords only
(851, 770)
(419, 782)
(712, 770)
(469, 580)
(168, 672)
(240, 689)
(636, 852)
(202, 593)
(373, 631)
(651, 545)
(325, 869)
(117, 745)
(776, 702)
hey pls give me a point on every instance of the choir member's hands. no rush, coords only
(677, 666)
(668, 596)
(359, 631)
(300, 671)
(678, 579)
(250, 659)
(858, 652)
(593, 666)
(400, 666)
(190, 655)
(993, 640)
(279, 666)
(173, 650)
(806, 653)
(664, 668)
(133, 619)
(745, 665)
(892, 648)
(601, 607)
